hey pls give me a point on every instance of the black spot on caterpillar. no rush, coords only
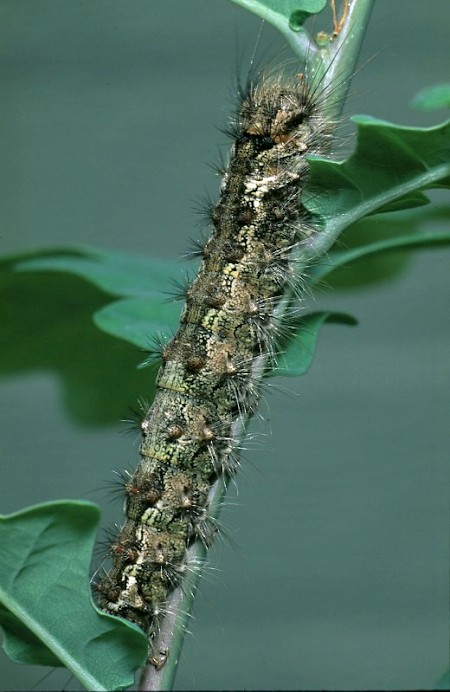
(230, 319)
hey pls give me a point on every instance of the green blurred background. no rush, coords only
(336, 572)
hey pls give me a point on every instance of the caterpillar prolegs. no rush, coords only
(229, 323)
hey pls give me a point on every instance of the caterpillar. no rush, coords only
(231, 325)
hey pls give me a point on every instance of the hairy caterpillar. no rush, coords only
(229, 323)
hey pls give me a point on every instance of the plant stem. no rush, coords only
(332, 67)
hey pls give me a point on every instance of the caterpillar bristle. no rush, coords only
(133, 423)
(204, 207)
(103, 546)
(232, 130)
(180, 288)
(219, 167)
(196, 249)
(156, 349)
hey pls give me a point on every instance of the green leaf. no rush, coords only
(54, 311)
(46, 607)
(443, 682)
(298, 17)
(137, 320)
(21, 645)
(57, 309)
(116, 273)
(339, 258)
(411, 200)
(298, 355)
(432, 98)
(284, 15)
(389, 165)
